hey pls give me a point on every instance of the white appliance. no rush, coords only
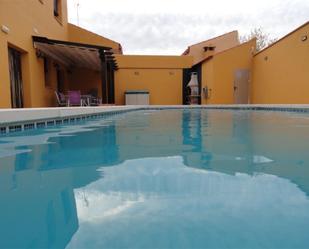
(138, 97)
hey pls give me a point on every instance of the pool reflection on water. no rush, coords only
(159, 179)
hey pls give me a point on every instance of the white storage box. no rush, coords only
(138, 97)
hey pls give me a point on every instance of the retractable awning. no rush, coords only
(72, 54)
(80, 55)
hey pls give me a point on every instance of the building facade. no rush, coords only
(281, 71)
(41, 53)
(29, 76)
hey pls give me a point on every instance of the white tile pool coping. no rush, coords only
(13, 120)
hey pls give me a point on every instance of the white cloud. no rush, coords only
(169, 26)
(162, 198)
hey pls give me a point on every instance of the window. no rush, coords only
(16, 78)
(56, 8)
(209, 48)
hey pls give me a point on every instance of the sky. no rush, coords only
(168, 27)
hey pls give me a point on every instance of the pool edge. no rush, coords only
(17, 120)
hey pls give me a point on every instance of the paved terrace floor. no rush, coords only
(11, 116)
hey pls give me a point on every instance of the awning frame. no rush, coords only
(73, 54)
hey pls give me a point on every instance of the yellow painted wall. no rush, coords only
(78, 34)
(51, 84)
(160, 75)
(208, 80)
(5, 93)
(218, 72)
(164, 85)
(221, 43)
(24, 19)
(281, 72)
(153, 61)
(36, 18)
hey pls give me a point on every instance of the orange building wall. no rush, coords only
(5, 98)
(221, 43)
(77, 34)
(153, 61)
(281, 72)
(50, 83)
(218, 72)
(34, 18)
(160, 75)
(208, 80)
(164, 85)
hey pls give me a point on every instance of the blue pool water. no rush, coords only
(159, 179)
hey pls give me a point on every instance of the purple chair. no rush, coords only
(74, 98)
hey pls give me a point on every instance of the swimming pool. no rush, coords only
(159, 179)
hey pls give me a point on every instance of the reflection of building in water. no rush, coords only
(36, 188)
(254, 142)
(150, 135)
(37, 208)
(85, 149)
(169, 133)
(194, 132)
(224, 141)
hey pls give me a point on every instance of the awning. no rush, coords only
(72, 54)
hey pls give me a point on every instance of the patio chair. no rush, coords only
(74, 98)
(94, 100)
(61, 99)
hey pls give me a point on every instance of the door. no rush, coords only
(16, 78)
(241, 86)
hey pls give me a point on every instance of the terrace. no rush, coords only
(100, 149)
(76, 58)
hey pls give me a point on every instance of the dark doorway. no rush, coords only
(60, 80)
(185, 90)
(16, 78)
(198, 69)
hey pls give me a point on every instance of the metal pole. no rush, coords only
(111, 87)
(103, 76)
(77, 12)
